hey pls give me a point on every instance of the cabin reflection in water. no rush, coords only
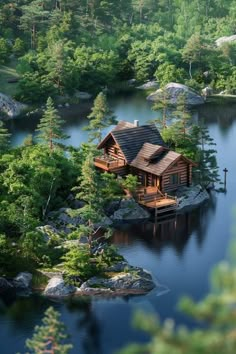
(173, 232)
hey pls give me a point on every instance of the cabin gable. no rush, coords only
(112, 149)
(178, 174)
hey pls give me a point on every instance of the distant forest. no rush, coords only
(60, 46)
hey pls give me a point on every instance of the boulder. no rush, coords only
(207, 91)
(5, 285)
(57, 287)
(174, 91)
(105, 222)
(22, 280)
(148, 85)
(65, 219)
(227, 39)
(134, 279)
(118, 267)
(191, 197)
(130, 211)
(10, 107)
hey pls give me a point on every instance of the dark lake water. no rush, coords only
(180, 255)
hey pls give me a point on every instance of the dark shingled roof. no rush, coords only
(157, 166)
(150, 151)
(131, 140)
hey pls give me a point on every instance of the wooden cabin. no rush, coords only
(141, 151)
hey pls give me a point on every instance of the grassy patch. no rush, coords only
(8, 72)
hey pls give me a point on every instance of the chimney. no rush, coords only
(136, 123)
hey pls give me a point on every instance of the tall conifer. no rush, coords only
(50, 126)
(100, 117)
(50, 337)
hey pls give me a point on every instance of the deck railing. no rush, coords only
(109, 164)
(148, 194)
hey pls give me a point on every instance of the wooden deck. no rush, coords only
(107, 164)
(153, 198)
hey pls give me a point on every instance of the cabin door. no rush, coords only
(152, 180)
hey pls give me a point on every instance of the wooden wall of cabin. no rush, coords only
(146, 179)
(113, 150)
(179, 174)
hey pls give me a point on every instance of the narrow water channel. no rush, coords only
(180, 255)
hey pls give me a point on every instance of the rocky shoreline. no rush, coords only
(121, 279)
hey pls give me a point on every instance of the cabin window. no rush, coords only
(174, 178)
(116, 150)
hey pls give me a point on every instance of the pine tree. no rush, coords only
(4, 138)
(100, 117)
(50, 336)
(178, 134)
(207, 169)
(182, 116)
(88, 189)
(162, 105)
(50, 126)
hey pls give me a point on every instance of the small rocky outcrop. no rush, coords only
(191, 197)
(9, 107)
(174, 90)
(58, 288)
(22, 280)
(119, 279)
(65, 220)
(227, 39)
(148, 85)
(129, 211)
(121, 276)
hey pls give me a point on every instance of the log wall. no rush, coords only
(184, 171)
(113, 150)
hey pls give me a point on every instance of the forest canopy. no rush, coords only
(60, 46)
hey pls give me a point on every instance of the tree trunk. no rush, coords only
(190, 70)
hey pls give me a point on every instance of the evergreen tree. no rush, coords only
(50, 126)
(207, 169)
(50, 336)
(4, 138)
(162, 105)
(100, 117)
(192, 51)
(178, 135)
(88, 189)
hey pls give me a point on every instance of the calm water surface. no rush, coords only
(180, 255)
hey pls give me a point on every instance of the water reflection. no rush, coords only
(173, 232)
(87, 324)
(223, 115)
